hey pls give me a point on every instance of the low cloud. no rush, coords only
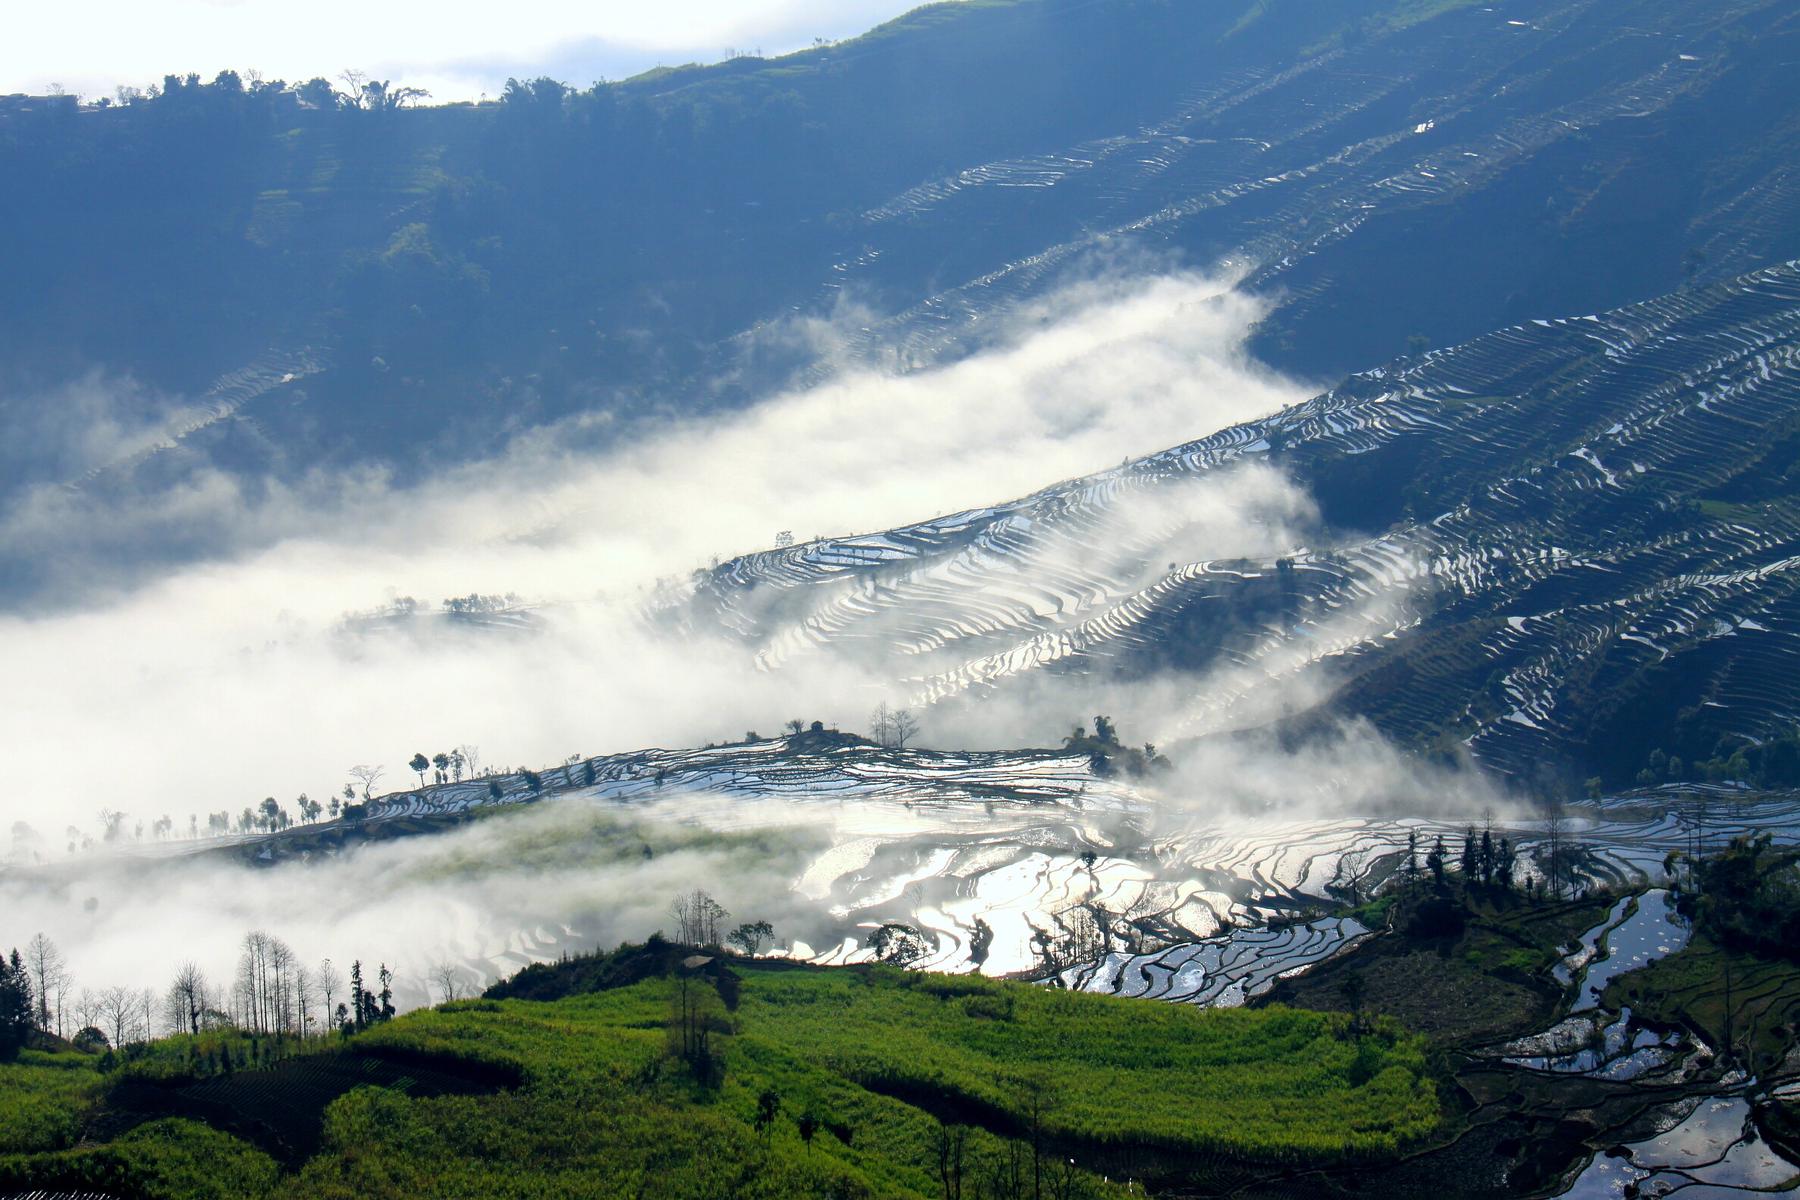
(215, 685)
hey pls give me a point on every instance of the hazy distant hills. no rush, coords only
(1565, 546)
(413, 284)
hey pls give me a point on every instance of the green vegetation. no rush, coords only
(1741, 1004)
(173, 1158)
(1463, 964)
(42, 1098)
(850, 1082)
(1738, 979)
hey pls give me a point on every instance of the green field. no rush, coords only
(899, 1078)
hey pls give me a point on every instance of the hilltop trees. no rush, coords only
(420, 764)
(893, 728)
(367, 776)
(751, 936)
(367, 1008)
(698, 918)
(1106, 753)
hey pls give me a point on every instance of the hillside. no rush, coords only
(811, 1082)
(1567, 547)
(409, 285)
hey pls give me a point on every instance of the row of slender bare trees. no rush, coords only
(271, 991)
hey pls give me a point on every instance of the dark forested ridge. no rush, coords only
(410, 283)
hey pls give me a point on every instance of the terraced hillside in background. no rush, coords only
(1569, 542)
(1380, 171)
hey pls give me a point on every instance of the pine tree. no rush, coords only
(1434, 862)
(15, 1006)
(358, 997)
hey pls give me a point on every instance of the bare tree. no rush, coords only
(905, 727)
(116, 1012)
(1554, 866)
(367, 776)
(329, 982)
(49, 976)
(471, 756)
(112, 824)
(187, 1001)
(444, 975)
(304, 992)
(698, 918)
(881, 725)
(87, 1009)
(354, 82)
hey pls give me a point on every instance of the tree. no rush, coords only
(698, 918)
(441, 761)
(905, 728)
(386, 995)
(49, 976)
(444, 975)
(951, 1142)
(329, 983)
(1434, 862)
(112, 824)
(367, 776)
(1506, 861)
(16, 1007)
(898, 943)
(751, 936)
(318, 93)
(768, 1104)
(1554, 867)
(362, 1004)
(118, 1011)
(881, 725)
(187, 998)
(420, 763)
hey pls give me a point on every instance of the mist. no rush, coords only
(484, 899)
(214, 685)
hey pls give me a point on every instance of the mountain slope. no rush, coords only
(1382, 171)
(1570, 541)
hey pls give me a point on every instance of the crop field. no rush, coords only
(867, 1070)
(42, 1097)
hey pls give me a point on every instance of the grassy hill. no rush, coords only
(845, 1082)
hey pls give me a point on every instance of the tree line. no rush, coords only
(271, 991)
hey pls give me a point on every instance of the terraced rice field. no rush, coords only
(1519, 604)
(1709, 1148)
(987, 854)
